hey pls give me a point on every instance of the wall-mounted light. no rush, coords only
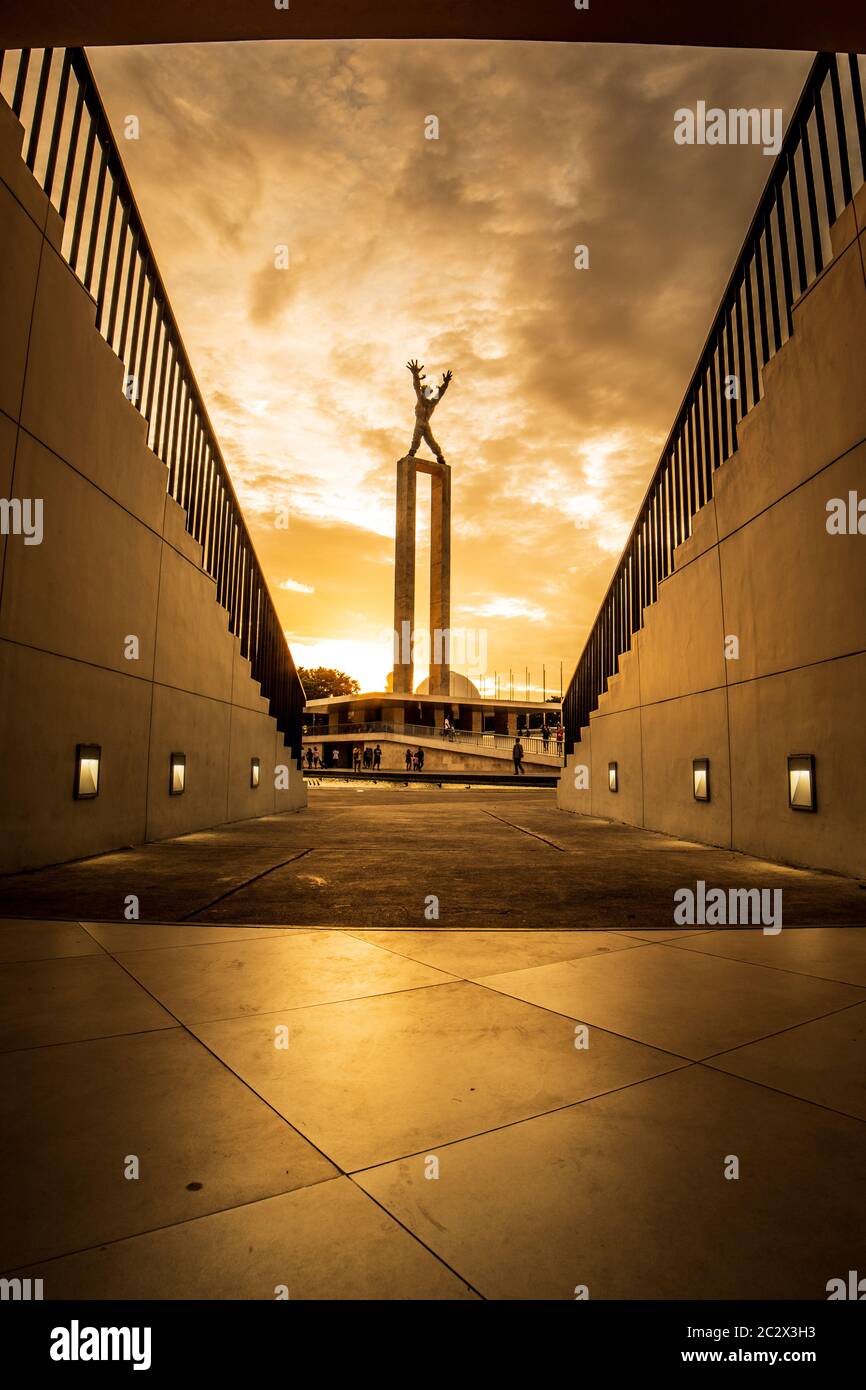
(612, 778)
(801, 782)
(177, 774)
(88, 760)
(255, 772)
(701, 778)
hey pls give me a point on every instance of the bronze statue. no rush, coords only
(427, 399)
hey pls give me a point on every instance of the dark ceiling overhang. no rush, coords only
(838, 25)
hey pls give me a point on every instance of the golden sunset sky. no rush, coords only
(457, 251)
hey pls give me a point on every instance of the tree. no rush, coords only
(321, 681)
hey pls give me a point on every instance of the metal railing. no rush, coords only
(501, 742)
(821, 161)
(69, 147)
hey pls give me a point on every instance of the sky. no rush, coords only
(313, 239)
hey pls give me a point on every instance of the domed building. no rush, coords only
(460, 687)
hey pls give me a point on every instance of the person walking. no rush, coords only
(517, 755)
(335, 757)
(356, 759)
(377, 756)
(309, 758)
(420, 756)
(408, 759)
(560, 738)
(545, 735)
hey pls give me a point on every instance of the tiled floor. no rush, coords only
(205, 1112)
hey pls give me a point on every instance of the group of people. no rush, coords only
(558, 733)
(313, 757)
(517, 751)
(368, 758)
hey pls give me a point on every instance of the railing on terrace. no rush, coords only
(501, 742)
(821, 161)
(69, 147)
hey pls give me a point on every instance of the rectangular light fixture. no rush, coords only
(801, 782)
(255, 772)
(177, 774)
(701, 778)
(612, 778)
(88, 759)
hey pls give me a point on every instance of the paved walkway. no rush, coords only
(310, 1087)
(404, 1114)
(373, 857)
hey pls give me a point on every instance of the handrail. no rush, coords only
(751, 324)
(68, 142)
(477, 739)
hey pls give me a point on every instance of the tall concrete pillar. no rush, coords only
(440, 581)
(440, 574)
(404, 575)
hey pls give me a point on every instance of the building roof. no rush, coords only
(387, 697)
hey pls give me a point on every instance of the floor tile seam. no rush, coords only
(764, 965)
(656, 1047)
(39, 960)
(113, 952)
(471, 979)
(240, 887)
(522, 828)
(706, 1063)
(172, 1225)
(687, 1064)
(440, 1259)
(323, 1003)
(95, 1037)
(224, 1066)
(572, 1018)
(789, 1028)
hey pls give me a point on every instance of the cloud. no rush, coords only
(458, 251)
(296, 587)
(508, 608)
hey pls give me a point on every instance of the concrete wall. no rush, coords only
(760, 566)
(115, 561)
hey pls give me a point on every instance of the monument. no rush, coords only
(408, 468)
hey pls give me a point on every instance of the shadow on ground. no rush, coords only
(376, 857)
